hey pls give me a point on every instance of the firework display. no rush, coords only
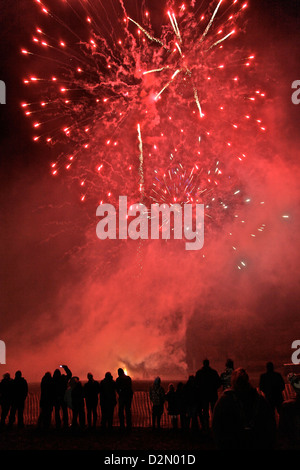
(157, 110)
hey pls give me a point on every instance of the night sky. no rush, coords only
(68, 298)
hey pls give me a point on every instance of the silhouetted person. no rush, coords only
(91, 392)
(289, 418)
(157, 397)
(272, 385)
(226, 375)
(191, 399)
(208, 382)
(124, 389)
(242, 418)
(181, 403)
(171, 398)
(77, 397)
(6, 386)
(60, 383)
(19, 395)
(46, 401)
(108, 400)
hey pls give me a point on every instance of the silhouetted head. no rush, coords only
(6, 375)
(229, 364)
(76, 381)
(157, 382)
(171, 388)
(47, 375)
(18, 374)
(121, 372)
(56, 374)
(73, 382)
(240, 380)
(270, 366)
(90, 376)
(108, 376)
(206, 363)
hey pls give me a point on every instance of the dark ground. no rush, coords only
(32, 438)
(138, 439)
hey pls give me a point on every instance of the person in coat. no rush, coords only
(60, 384)
(46, 401)
(272, 385)
(19, 395)
(108, 400)
(125, 393)
(91, 392)
(157, 397)
(173, 411)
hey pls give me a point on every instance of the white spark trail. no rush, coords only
(141, 158)
(211, 21)
(221, 40)
(147, 34)
(156, 70)
(169, 83)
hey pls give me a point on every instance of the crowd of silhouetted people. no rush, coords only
(62, 391)
(239, 415)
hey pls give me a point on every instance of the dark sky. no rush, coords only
(58, 306)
